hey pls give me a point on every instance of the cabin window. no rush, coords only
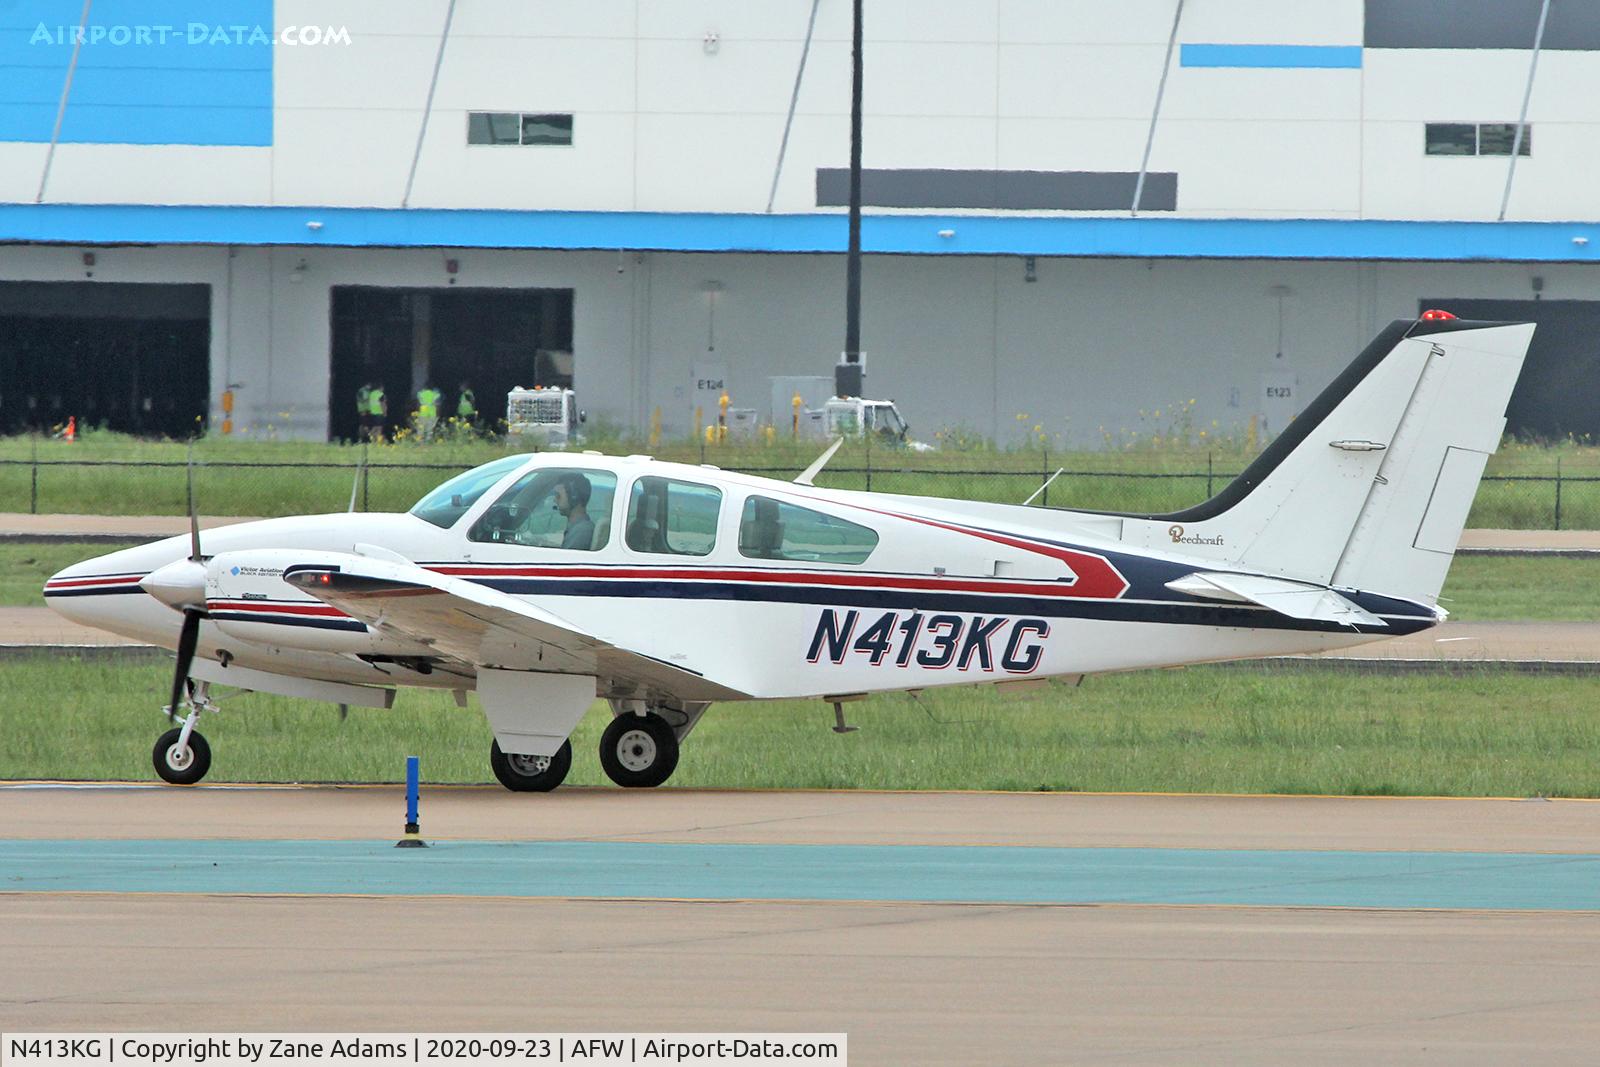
(772, 529)
(552, 507)
(672, 517)
(445, 505)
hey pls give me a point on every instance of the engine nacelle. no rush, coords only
(247, 598)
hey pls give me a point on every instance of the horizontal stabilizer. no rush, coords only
(1297, 600)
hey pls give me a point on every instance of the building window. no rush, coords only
(515, 127)
(1476, 139)
(1496, 139)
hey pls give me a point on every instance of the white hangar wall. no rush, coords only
(680, 105)
(957, 341)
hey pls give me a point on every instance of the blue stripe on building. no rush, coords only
(1286, 56)
(190, 72)
(1023, 235)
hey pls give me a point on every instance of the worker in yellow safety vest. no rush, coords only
(426, 417)
(374, 408)
(466, 404)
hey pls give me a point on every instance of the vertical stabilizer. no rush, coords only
(1370, 486)
(1412, 521)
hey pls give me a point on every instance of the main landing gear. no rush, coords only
(181, 755)
(638, 750)
(531, 774)
(640, 747)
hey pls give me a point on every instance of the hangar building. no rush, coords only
(280, 199)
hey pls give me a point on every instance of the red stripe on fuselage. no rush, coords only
(71, 583)
(323, 610)
(1063, 588)
(1097, 578)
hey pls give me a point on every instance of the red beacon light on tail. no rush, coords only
(1435, 315)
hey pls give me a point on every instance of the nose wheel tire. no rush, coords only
(531, 774)
(639, 751)
(185, 765)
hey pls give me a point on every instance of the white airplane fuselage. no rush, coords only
(946, 597)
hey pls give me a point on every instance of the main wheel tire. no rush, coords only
(531, 774)
(639, 751)
(184, 766)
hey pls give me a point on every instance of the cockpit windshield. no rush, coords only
(445, 505)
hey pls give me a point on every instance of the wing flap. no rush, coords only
(1297, 600)
(485, 627)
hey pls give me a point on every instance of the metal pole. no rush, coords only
(1558, 492)
(869, 434)
(366, 477)
(852, 284)
(61, 106)
(33, 493)
(413, 837)
(1155, 114)
(794, 100)
(427, 108)
(413, 773)
(1209, 491)
(1522, 119)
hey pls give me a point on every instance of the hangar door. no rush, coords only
(489, 339)
(125, 356)
(1561, 378)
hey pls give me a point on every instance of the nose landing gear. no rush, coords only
(181, 755)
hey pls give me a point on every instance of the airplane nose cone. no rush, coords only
(180, 584)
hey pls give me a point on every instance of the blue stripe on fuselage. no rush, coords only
(1191, 613)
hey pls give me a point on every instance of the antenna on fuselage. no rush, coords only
(355, 486)
(1035, 494)
(810, 473)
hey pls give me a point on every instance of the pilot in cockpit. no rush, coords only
(572, 502)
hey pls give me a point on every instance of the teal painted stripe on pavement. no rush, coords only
(976, 874)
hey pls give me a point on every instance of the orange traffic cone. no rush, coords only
(72, 429)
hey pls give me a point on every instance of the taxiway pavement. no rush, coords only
(935, 981)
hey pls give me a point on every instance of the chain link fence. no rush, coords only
(140, 487)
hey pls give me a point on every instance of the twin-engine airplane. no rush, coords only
(546, 581)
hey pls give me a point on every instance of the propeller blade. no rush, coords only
(194, 522)
(188, 638)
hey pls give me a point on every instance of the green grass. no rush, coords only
(278, 481)
(1535, 588)
(1542, 589)
(1478, 732)
(24, 566)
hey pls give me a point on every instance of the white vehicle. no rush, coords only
(546, 581)
(852, 416)
(547, 416)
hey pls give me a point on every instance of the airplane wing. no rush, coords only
(1297, 600)
(485, 627)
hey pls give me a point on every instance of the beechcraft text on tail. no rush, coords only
(542, 582)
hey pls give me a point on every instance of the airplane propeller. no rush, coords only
(181, 585)
(188, 638)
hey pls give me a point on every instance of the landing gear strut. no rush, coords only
(181, 755)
